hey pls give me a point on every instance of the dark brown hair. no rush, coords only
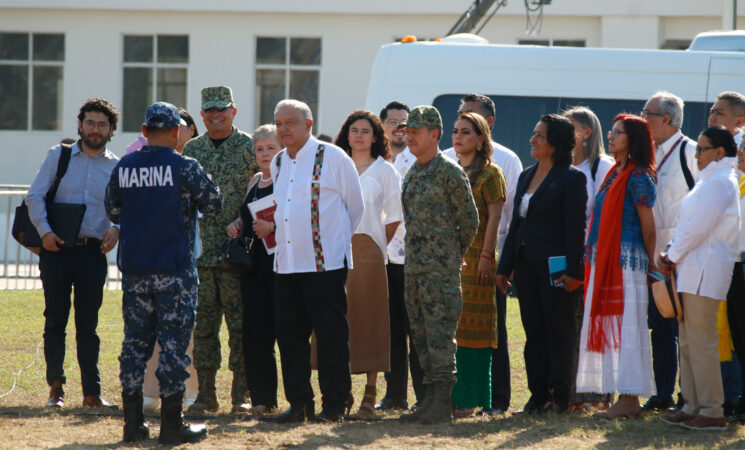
(103, 106)
(484, 154)
(378, 148)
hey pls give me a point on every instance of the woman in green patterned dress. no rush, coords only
(477, 328)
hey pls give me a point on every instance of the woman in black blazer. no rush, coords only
(548, 220)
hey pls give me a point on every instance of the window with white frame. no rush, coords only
(31, 68)
(155, 69)
(286, 68)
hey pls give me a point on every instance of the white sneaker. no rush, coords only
(150, 404)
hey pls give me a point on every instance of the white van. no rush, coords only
(526, 82)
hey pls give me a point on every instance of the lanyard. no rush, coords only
(675, 145)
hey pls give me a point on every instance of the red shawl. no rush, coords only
(607, 295)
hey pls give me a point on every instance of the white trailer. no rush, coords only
(528, 81)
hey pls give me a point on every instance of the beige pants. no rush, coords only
(700, 374)
(152, 387)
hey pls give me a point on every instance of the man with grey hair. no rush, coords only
(319, 205)
(676, 172)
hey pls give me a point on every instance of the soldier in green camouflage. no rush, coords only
(227, 156)
(441, 221)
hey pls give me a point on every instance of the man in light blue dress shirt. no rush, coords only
(79, 265)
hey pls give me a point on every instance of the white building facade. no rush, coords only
(54, 55)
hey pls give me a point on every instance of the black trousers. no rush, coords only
(259, 331)
(82, 268)
(314, 301)
(664, 341)
(501, 391)
(548, 316)
(403, 353)
(736, 312)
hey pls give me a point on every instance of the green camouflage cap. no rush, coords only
(424, 116)
(217, 97)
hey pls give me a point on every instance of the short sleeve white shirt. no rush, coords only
(604, 165)
(381, 190)
(396, 248)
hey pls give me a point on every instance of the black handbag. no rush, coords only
(23, 229)
(237, 254)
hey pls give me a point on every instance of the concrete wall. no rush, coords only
(222, 46)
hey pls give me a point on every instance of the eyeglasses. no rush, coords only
(394, 123)
(220, 110)
(646, 113)
(700, 149)
(615, 133)
(91, 125)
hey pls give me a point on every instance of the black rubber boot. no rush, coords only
(135, 428)
(174, 429)
(441, 408)
(414, 416)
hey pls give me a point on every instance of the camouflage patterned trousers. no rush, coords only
(434, 303)
(219, 292)
(167, 316)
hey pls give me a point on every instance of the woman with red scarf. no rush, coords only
(614, 343)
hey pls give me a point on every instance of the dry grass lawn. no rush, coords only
(24, 423)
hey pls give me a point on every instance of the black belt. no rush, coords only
(82, 241)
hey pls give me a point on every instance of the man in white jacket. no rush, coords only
(676, 173)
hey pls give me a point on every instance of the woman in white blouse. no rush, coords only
(362, 137)
(589, 153)
(702, 253)
(588, 156)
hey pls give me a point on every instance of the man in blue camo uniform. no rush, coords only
(154, 195)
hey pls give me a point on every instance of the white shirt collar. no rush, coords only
(309, 144)
(728, 162)
(668, 144)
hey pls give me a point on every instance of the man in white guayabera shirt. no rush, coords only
(319, 204)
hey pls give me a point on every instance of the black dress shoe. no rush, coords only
(326, 416)
(656, 403)
(417, 405)
(534, 407)
(294, 414)
(555, 407)
(490, 412)
(388, 404)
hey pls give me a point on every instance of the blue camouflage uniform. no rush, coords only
(158, 302)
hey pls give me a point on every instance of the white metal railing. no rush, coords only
(19, 267)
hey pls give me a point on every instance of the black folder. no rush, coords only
(65, 220)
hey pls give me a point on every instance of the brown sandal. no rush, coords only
(367, 406)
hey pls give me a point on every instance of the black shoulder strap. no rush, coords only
(684, 165)
(594, 169)
(64, 161)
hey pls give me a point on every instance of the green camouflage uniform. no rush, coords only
(441, 221)
(231, 166)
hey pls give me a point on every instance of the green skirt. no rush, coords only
(473, 388)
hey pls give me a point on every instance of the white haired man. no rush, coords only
(319, 204)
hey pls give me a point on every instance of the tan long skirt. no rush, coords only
(367, 309)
